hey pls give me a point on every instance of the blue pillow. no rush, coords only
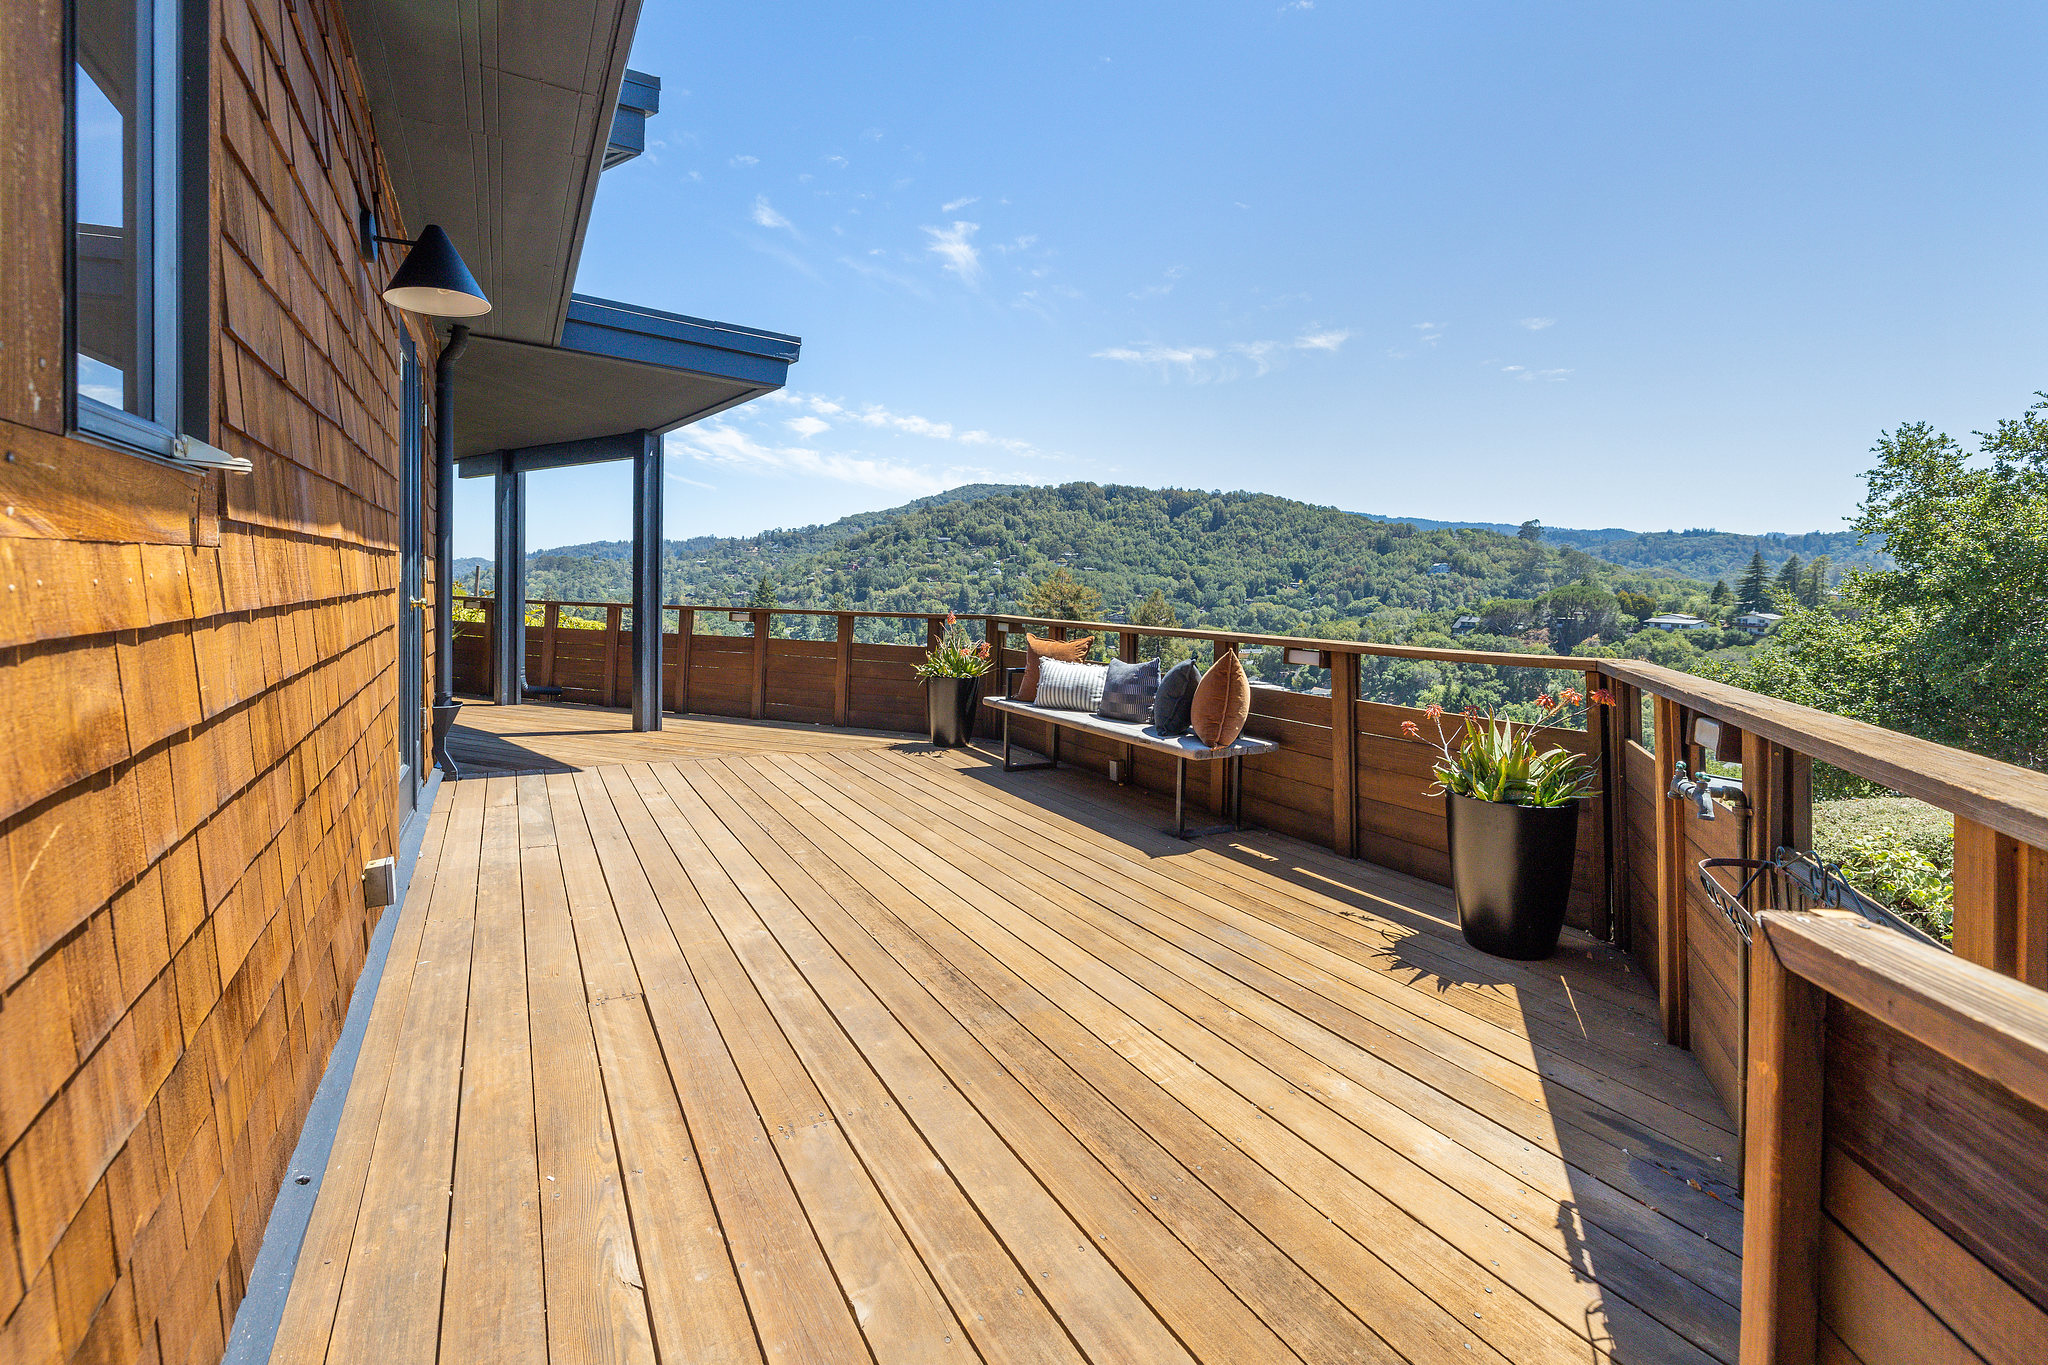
(1128, 691)
(1176, 699)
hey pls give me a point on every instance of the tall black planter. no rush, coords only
(1511, 867)
(949, 703)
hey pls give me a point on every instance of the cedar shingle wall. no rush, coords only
(198, 745)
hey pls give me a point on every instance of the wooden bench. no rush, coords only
(1185, 749)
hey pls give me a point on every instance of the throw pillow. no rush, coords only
(1176, 697)
(1070, 687)
(1035, 649)
(1222, 702)
(1128, 689)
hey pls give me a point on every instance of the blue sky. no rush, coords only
(1651, 265)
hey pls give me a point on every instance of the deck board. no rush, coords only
(761, 1043)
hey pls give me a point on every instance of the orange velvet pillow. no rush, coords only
(1222, 702)
(1068, 651)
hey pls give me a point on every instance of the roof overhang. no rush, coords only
(494, 120)
(619, 368)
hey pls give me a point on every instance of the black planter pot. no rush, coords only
(1511, 867)
(949, 704)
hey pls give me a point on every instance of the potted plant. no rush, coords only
(1513, 808)
(952, 671)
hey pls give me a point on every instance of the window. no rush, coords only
(125, 241)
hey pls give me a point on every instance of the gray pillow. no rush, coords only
(1176, 699)
(1069, 687)
(1128, 691)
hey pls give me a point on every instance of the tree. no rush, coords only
(764, 595)
(1155, 610)
(1789, 583)
(1062, 597)
(1720, 597)
(1531, 529)
(1640, 605)
(1949, 645)
(1813, 590)
(1754, 592)
(1579, 611)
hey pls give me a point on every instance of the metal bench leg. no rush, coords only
(1180, 797)
(1010, 765)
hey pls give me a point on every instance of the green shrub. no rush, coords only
(1897, 851)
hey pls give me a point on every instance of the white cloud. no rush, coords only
(1538, 324)
(765, 215)
(871, 135)
(1206, 364)
(1527, 375)
(959, 204)
(694, 483)
(1297, 5)
(952, 246)
(1171, 276)
(1432, 332)
(838, 161)
(1190, 361)
(1328, 340)
(745, 160)
(876, 417)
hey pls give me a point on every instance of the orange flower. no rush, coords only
(1433, 711)
(1411, 729)
(1547, 702)
(1572, 696)
(1603, 697)
(951, 619)
(1472, 711)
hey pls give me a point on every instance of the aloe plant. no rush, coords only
(1492, 758)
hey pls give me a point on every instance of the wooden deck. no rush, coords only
(875, 1053)
(491, 741)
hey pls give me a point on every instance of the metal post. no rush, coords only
(445, 705)
(508, 673)
(647, 583)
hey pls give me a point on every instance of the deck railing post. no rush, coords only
(614, 624)
(1671, 870)
(1601, 729)
(1782, 1160)
(679, 690)
(1127, 759)
(2001, 902)
(550, 621)
(1343, 754)
(842, 672)
(1219, 785)
(996, 679)
(763, 624)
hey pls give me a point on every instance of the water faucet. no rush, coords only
(1700, 791)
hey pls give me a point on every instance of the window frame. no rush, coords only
(171, 178)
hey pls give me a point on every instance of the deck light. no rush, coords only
(433, 279)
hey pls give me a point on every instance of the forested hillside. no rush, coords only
(1233, 560)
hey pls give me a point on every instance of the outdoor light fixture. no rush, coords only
(432, 279)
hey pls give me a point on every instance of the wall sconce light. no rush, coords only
(432, 279)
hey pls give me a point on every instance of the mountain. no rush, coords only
(1240, 560)
(1229, 560)
(1707, 554)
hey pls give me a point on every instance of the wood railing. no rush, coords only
(1896, 1095)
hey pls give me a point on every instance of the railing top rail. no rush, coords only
(1982, 1020)
(2002, 796)
(1494, 658)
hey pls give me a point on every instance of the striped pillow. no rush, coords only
(1069, 687)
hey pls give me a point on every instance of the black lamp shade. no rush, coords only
(434, 280)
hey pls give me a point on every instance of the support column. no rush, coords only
(508, 667)
(647, 583)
